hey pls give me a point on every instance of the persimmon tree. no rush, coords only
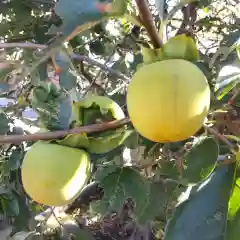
(55, 53)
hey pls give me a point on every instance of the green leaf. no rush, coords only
(54, 107)
(98, 47)
(63, 63)
(81, 15)
(23, 235)
(133, 140)
(103, 172)
(200, 161)
(158, 197)
(4, 88)
(151, 198)
(4, 127)
(83, 234)
(203, 215)
(234, 212)
(228, 78)
(120, 185)
(234, 203)
(67, 80)
(62, 60)
(181, 46)
(169, 168)
(12, 206)
(15, 159)
(22, 219)
(137, 61)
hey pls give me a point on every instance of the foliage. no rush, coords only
(53, 55)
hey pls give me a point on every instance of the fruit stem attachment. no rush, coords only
(148, 22)
(62, 133)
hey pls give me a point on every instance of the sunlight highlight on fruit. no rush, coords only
(54, 175)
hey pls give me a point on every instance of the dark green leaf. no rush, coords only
(200, 161)
(12, 206)
(15, 159)
(133, 140)
(159, 196)
(62, 60)
(22, 219)
(67, 80)
(203, 215)
(83, 234)
(4, 88)
(18, 131)
(103, 172)
(53, 107)
(84, 14)
(138, 59)
(97, 47)
(169, 168)
(120, 185)
(4, 127)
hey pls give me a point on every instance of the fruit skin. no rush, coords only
(54, 175)
(168, 100)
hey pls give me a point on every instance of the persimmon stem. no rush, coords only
(148, 22)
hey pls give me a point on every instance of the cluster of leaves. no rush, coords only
(165, 186)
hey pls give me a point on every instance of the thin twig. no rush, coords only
(221, 137)
(61, 133)
(234, 97)
(148, 22)
(73, 56)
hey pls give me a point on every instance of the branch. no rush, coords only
(189, 19)
(73, 56)
(221, 137)
(57, 134)
(148, 22)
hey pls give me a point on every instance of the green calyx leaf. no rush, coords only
(178, 47)
(95, 109)
(91, 110)
(182, 47)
